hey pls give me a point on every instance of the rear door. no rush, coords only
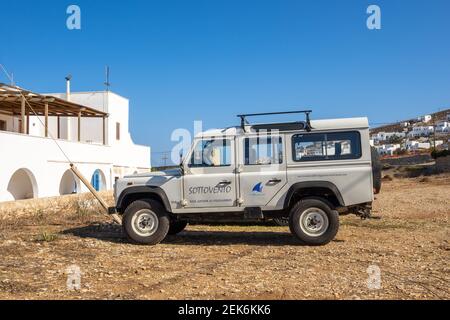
(262, 169)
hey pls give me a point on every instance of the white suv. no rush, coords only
(306, 171)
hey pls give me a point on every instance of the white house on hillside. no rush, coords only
(417, 145)
(443, 127)
(387, 149)
(421, 131)
(91, 129)
(384, 136)
(426, 118)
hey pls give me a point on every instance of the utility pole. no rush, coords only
(434, 133)
(107, 83)
(165, 158)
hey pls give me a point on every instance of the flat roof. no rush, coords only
(11, 103)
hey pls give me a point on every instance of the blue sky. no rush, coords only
(180, 61)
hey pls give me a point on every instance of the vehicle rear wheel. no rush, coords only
(377, 167)
(176, 226)
(146, 222)
(313, 222)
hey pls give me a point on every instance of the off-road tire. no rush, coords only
(148, 206)
(307, 207)
(376, 170)
(176, 226)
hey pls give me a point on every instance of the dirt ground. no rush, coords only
(409, 243)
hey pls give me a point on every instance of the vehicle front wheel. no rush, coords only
(146, 222)
(313, 222)
(176, 226)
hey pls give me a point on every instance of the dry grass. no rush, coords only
(410, 243)
(46, 236)
(36, 211)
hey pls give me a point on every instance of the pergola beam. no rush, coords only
(104, 130)
(24, 104)
(11, 98)
(46, 119)
(22, 115)
(28, 120)
(79, 126)
(58, 127)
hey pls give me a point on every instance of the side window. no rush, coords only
(263, 150)
(308, 147)
(211, 153)
(326, 146)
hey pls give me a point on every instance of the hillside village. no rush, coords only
(421, 135)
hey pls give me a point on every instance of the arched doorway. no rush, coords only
(98, 180)
(69, 183)
(22, 185)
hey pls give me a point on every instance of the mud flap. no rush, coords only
(253, 213)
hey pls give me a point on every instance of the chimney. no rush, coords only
(68, 78)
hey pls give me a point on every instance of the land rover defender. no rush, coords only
(307, 172)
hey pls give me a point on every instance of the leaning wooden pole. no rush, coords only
(80, 176)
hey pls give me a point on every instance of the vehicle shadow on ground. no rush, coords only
(114, 234)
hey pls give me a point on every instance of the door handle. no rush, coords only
(275, 180)
(224, 183)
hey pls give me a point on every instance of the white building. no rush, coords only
(413, 145)
(385, 136)
(443, 127)
(91, 129)
(387, 149)
(426, 118)
(421, 131)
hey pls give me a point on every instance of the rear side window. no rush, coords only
(326, 146)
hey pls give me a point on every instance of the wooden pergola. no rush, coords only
(16, 101)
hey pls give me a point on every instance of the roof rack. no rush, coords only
(306, 112)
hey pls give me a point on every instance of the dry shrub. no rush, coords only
(46, 236)
(85, 206)
(424, 179)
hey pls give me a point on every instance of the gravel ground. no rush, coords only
(409, 243)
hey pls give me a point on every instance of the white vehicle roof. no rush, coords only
(326, 124)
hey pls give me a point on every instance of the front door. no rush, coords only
(210, 179)
(262, 168)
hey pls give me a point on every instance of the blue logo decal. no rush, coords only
(258, 187)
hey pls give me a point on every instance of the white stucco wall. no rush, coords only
(39, 158)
